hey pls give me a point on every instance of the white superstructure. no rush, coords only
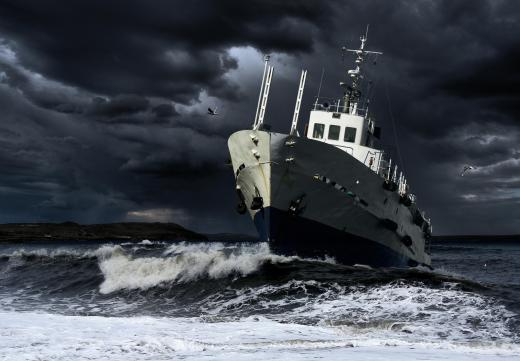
(352, 133)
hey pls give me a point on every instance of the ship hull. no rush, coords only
(318, 201)
(302, 237)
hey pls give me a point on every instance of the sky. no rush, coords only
(103, 103)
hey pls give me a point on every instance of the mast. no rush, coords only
(353, 93)
(294, 124)
(264, 93)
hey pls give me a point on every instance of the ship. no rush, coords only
(330, 192)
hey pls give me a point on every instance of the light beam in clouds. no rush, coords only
(179, 216)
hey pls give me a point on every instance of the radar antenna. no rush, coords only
(353, 92)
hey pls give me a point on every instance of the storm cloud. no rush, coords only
(104, 103)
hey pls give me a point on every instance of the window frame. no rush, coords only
(315, 130)
(352, 134)
(331, 126)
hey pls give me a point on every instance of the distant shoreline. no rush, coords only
(68, 231)
(502, 238)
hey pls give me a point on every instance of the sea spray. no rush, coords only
(182, 263)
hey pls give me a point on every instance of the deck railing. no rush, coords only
(337, 106)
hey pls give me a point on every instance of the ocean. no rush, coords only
(237, 301)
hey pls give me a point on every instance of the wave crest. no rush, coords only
(182, 263)
(40, 253)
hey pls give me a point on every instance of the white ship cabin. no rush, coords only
(347, 128)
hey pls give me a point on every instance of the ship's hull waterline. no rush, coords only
(311, 199)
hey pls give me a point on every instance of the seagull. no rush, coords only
(466, 169)
(212, 112)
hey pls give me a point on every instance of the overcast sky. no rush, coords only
(103, 103)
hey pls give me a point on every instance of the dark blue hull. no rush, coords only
(293, 235)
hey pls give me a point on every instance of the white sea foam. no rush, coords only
(413, 312)
(396, 311)
(85, 251)
(32, 336)
(49, 253)
(183, 262)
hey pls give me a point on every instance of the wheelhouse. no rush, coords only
(346, 128)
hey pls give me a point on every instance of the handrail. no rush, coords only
(336, 106)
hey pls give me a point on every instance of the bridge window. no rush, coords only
(318, 131)
(334, 132)
(350, 135)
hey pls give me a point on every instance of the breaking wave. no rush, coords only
(183, 263)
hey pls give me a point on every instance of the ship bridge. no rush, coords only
(346, 127)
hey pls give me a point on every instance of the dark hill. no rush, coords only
(17, 232)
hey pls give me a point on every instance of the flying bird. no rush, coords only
(466, 169)
(212, 111)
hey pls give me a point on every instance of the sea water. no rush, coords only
(220, 301)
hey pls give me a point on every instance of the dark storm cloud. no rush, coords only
(118, 105)
(45, 94)
(104, 103)
(164, 110)
(170, 49)
(488, 78)
(493, 82)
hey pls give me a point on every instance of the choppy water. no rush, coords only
(168, 300)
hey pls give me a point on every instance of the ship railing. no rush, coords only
(389, 172)
(337, 106)
(383, 168)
